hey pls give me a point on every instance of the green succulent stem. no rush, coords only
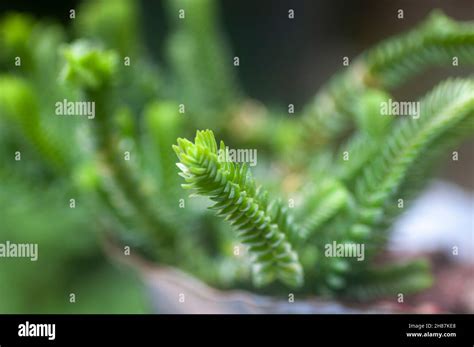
(436, 41)
(237, 199)
(94, 71)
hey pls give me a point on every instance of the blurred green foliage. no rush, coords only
(143, 107)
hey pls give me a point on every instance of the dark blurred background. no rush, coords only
(285, 61)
